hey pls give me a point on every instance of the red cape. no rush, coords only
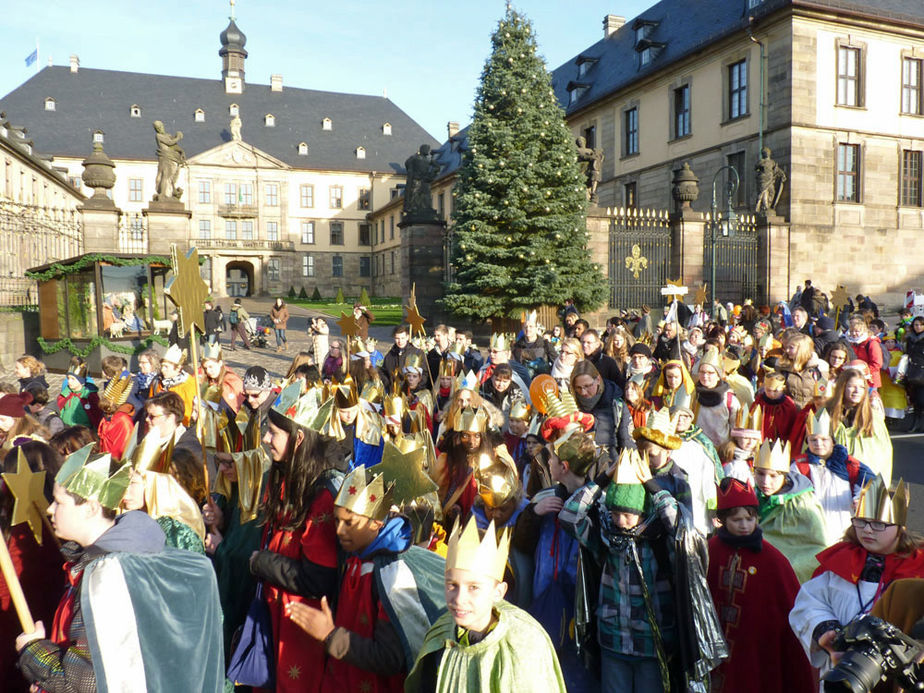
(847, 559)
(779, 416)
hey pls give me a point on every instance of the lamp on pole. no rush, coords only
(729, 222)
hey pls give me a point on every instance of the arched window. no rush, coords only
(49, 104)
(360, 152)
(135, 111)
(386, 128)
(199, 116)
(327, 124)
(269, 120)
(303, 148)
(233, 110)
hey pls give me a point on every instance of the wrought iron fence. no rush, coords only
(639, 256)
(133, 234)
(31, 236)
(736, 276)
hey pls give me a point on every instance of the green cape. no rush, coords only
(793, 522)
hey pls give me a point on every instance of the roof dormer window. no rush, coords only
(327, 124)
(576, 91)
(646, 48)
(303, 149)
(585, 64)
(360, 152)
(233, 110)
(49, 104)
(98, 136)
(269, 120)
(135, 111)
(199, 116)
(386, 128)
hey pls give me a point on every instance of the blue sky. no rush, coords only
(427, 54)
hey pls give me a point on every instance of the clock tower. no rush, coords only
(232, 56)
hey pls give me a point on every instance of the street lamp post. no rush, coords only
(729, 222)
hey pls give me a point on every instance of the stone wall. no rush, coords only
(18, 332)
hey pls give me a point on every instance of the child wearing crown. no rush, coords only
(790, 515)
(837, 476)
(778, 409)
(629, 528)
(753, 588)
(483, 643)
(876, 551)
(383, 608)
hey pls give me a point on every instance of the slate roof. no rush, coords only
(91, 100)
(684, 27)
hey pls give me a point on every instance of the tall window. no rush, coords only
(337, 266)
(590, 134)
(364, 199)
(391, 227)
(205, 192)
(848, 172)
(272, 269)
(365, 266)
(307, 265)
(137, 228)
(737, 162)
(306, 195)
(381, 231)
(392, 261)
(272, 230)
(135, 189)
(911, 178)
(336, 197)
(911, 86)
(336, 233)
(737, 89)
(246, 230)
(848, 76)
(230, 230)
(441, 205)
(365, 234)
(308, 232)
(246, 193)
(271, 191)
(205, 229)
(230, 194)
(630, 130)
(682, 111)
(631, 195)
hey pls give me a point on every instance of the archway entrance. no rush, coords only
(239, 278)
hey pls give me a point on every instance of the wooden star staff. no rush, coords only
(839, 300)
(675, 291)
(349, 328)
(188, 291)
(416, 321)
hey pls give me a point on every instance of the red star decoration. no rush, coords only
(372, 498)
(352, 491)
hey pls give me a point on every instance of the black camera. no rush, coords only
(875, 650)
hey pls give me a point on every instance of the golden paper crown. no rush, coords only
(118, 389)
(175, 355)
(661, 430)
(534, 425)
(752, 421)
(497, 484)
(519, 410)
(501, 341)
(774, 457)
(365, 494)
(876, 504)
(148, 452)
(373, 391)
(549, 399)
(414, 361)
(628, 465)
(471, 421)
(711, 357)
(488, 556)
(345, 393)
(448, 367)
(532, 317)
(211, 352)
(469, 381)
(87, 475)
(819, 424)
(646, 338)
(395, 405)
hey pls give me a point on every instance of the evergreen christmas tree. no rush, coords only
(520, 237)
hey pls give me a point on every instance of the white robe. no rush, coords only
(836, 500)
(691, 457)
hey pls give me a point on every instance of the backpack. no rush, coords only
(232, 316)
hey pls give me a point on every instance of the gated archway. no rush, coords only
(639, 257)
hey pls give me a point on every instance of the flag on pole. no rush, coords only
(32, 57)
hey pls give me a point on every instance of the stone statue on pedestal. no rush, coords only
(169, 159)
(770, 180)
(235, 128)
(422, 169)
(592, 161)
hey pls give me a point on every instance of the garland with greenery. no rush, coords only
(57, 269)
(66, 343)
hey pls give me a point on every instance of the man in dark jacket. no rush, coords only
(213, 318)
(668, 344)
(532, 350)
(436, 354)
(825, 334)
(605, 365)
(808, 297)
(397, 356)
(603, 399)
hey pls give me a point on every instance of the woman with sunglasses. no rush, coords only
(877, 549)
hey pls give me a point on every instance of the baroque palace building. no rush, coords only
(278, 181)
(834, 89)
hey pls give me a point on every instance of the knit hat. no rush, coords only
(734, 493)
(14, 406)
(824, 323)
(627, 498)
(78, 371)
(639, 348)
(256, 378)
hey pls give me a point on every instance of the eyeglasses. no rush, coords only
(876, 526)
(565, 352)
(153, 417)
(253, 395)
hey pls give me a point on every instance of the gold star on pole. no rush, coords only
(405, 471)
(839, 298)
(679, 290)
(187, 290)
(348, 325)
(413, 316)
(28, 490)
(701, 295)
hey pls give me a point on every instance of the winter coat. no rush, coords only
(395, 360)
(800, 385)
(279, 316)
(607, 367)
(870, 353)
(824, 339)
(612, 420)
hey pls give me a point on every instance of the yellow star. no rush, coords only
(405, 471)
(839, 298)
(365, 686)
(29, 494)
(348, 325)
(294, 672)
(701, 295)
(415, 319)
(187, 290)
(678, 283)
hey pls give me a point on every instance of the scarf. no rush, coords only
(169, 383)
(753, 541)
(711, 397)
(144, 379)
(558, 370)
(589, 403)
(394, 537)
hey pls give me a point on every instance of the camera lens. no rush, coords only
(858, 672)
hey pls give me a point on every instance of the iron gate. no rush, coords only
(736, 276)
(639, 257)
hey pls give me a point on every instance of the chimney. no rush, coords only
(611, 24)
(75, 63)
(452, 128)
(275, 82)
